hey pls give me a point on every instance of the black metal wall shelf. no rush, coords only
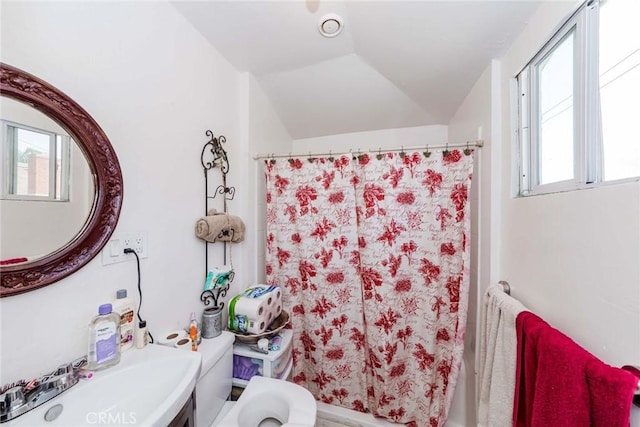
(214, 156)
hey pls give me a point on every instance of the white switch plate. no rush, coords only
(113, 252)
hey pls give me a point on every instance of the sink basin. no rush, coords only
(147, 388)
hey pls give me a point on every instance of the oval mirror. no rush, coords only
(61, 184)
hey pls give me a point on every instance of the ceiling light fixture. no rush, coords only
(330, 25)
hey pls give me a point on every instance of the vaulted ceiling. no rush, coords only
(395, 63)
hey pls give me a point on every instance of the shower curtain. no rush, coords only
(372, 253)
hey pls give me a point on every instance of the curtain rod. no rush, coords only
(478, 143)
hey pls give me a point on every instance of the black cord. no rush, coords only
(131, 251)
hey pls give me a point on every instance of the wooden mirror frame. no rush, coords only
(103, 162)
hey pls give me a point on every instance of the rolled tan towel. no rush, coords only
(218, 226)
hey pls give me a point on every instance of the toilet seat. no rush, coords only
(265, 398)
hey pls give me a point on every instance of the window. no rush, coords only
(578, 102)
(36, 163)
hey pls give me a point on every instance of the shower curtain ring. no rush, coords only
(445, 153)
(427, 153)
(402, 153)
(467, 151)
(379, 156)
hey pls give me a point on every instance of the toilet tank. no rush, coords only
(214, 384)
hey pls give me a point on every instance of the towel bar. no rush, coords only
(505, 286)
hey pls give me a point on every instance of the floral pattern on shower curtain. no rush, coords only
(373, 255)
(413, 230)
(312, 249)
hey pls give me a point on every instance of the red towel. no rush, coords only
(13, 261)
(560, 384)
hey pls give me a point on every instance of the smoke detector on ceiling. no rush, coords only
(330, 25)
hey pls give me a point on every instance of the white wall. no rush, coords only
(154, 85)
(418, 136)
(266, 134)
(474, 119)
(571, 257)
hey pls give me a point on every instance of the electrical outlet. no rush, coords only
(114, 250)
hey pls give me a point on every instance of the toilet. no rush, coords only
(265, 402)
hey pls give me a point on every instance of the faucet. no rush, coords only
(16, 401)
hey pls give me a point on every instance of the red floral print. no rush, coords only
(322, 307)
(324, 256)
(393, 264)
(335, 354)
(430, 271)
(295, 163)
(447, 249)
(453, 287)
(325, 334)
(337, 197)
(403, 335)
(452, 157)
(387, 320)
(372, 195)
(406, 198)
(348, 223)
(411, 161)
(391, 232)
(403, 285)
(322, 379)
(307, 270)
(323, 228)
(409, 249)
(305, 196)
(443, 215)
(433, 181)
(291, 211)
(339, 323)
(340, 244)
(283, 256)
(394, 176)
(281, 184)
(326, 179)
(424, 358)
(335, 277)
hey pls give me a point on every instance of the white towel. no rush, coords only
(498, 353)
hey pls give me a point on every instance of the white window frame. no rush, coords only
(9, 147)
(587, 132)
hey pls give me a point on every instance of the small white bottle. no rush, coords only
(126, 308)
(104, 339)
(142, 335)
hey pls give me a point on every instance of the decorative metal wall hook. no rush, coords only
(213, 155)
(228, 192)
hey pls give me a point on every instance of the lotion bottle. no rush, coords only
(126, 308)
(104, 339)
(142, 335)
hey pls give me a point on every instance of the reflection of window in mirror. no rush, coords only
(36, 163)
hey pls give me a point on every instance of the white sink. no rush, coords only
(147, 388)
